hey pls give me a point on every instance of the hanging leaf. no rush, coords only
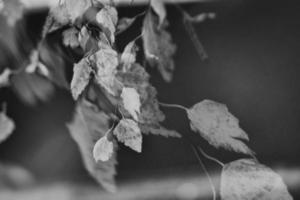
(35, 65)
(248, 180)
(12, 10)
(7, 126)
(107, 17)
(103, 149)
(124, 23)
(131, 101)
(88, 126)
(128, 56)
(159, 130)
(159, 48)
(159, 7)
(218, 126)
(106, 62)
(4, 77)
(81, 78)
(70, 38)
(129, 133)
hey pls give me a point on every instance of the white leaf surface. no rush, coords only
(103, 149)
(129, 133)
(218, 126)
(131, 101)
(246, 179)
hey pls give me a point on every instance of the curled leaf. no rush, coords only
(103, 149)
(129, 133)
(7, 126)
(247, 179)
(81, 78)
(218, 126)
(131, 101)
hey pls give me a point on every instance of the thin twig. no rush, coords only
(210, 157)
(173, 106)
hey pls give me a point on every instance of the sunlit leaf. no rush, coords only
(131, 101)
(248, 180)
(7, 126)
(218, 126)
(129, 133)
(103, 149)
(88, 126)
(81, 78)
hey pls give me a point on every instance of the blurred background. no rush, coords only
(253, 67)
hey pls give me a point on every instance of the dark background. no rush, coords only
(253, 67)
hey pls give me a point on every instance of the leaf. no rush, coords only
(159, 130)
(81, 78)
(107, 17)
(12, 10)
(88, 125)
(248, 180)
(129, 133)
(218, 126)
(35, 64)
(103, 149)
(70, 38)
(106, 64)
(128, 56)
(159, 7)
(4, 77)
(131, 101)
(159, 48)
(7, 126)
(124, 23)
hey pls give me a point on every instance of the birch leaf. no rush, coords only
(129, 133)
(107, 17)
(81, 78)
(159, 48)
(128, 56)
(131, 101)
(4, 77)
(218, 126)
(249, 180)
(103, 149)
(159, 7)
(7, 126)
(107, 62)
(88, 125)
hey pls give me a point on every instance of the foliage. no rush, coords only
(115, 101)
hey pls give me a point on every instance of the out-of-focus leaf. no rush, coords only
(247, 179)
(81, 78)
(129, 133)
(7, 126)
(32, 87)
(107, 17)
(218, 126)
(200, 17)
(131, 101)
(88, 126)
(103, 149)
(159, 130)
(159, 48)
(35, 65)
(70, 38)
(4, 77)
(12, 10)
(128, 56)
(124, 23)
(159, 7)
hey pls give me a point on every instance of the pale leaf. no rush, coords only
(7, 126)
(89, 125)
(103, 149)
(129, 133)
(35, 65)
(70, 38)
(4, 77)
(248, 180)
(218, 126)
(12, 10)
(128, 56)
(108, 18)
(81, 78)
(131, 101)
(159, 7)
(124, 23)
